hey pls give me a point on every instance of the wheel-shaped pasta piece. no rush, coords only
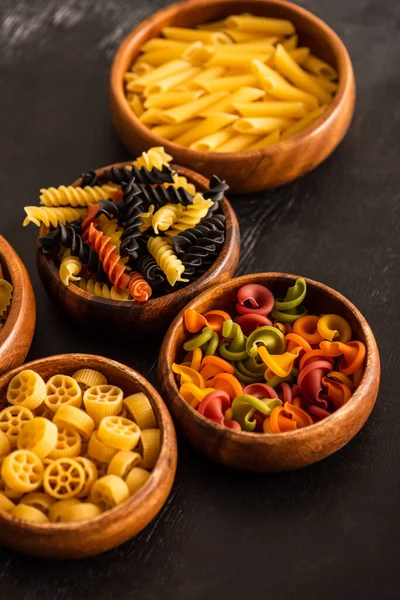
(62, 390)
(64, 479)
(88, 378)
(109, 491)
(5, 503)
(91, 475)
(150, 442)
(26, 389)
(57, 511)
(99, 450)
(11, 420)
(39, 435)
(5, 446)
(141, 410)
(103, 401)
(22, 471)
(29, 513)
(123, 462)
(5, 490)
(70, 416)
(136, 478)
(39, 500)
(119, 433)
(68, 444)
(81, 511)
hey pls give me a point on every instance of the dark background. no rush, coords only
(328, 531)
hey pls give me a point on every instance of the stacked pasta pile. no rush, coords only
(6, 292)
(141, 230)
(238, 84)
(73, 447)
(273, 367)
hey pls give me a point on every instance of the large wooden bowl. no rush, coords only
(17, 333)
(282, 451)
(130, 318)
(96, 535)
(252, 170)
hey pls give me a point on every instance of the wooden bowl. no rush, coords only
(17, 333)
(252, 170)
(156, 314)
(93, 536)
(272, 452)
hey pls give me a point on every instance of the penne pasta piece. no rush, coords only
(151, 117)
(160, 57)
(205, 128)
(141, 68)
(238, 60)
(129, 76)
(265, 25)
(136, 105)
(195, 35)
(238, 143)
(320, 67)
(327, 84)
(213, 26)
(271, 109)
(170, 68)
(205, 75)
(277, 86)
(291, 43)
(210, 142)
(230, 83)
(299, 55)
(290, 69)
(260, 46)
(171, 82)
(162, 44)
(260, 124)
(302, 124)
(243, 36)
(198, 53)
(245, 94)
(170, 132)
(268, 140)
(168, 99)
(188, 111)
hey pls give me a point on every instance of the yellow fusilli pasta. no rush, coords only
(102, 290)
(69, 270)
(52, 216)
(161, 249)
(191, 216)
(166, 216)
(75, 196)
(155, 157)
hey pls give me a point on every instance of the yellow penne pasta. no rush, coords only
(259, 46)
(170, 68)
(302, 124)
(299, 55)
(320, 67)
(140, 69)
(170, 132)
(260, 125)
(204, 128)
(237, 60)
(160, 57)
(327, 84)
(162, 44)
(230, 83)
(214, 140)
(237, 35)
(214, 26)
(129, 76)
(271, 109)
(206, 75)
(245, 94)
(277, 86)
(195, 35)
(238, 143)
(171, 82)
(291, 43)
(168, 99)
(260, 24)
(136, 105)
(198, 54)
(264, 142)
(188, 111)
(284, 63)
(152, 116)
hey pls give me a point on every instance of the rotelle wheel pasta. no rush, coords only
(66, 461)
(272, 367)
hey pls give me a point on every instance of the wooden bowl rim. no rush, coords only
(139, 498)
(184, 293)
(16, 271)
(372, 366)
(345, 82)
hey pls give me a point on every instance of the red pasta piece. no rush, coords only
(231, 424)
(339, 393)
(251, 321)
(318, 412)
(260, 390)
(228, 383)
(314, 356)
(310, 381)
(139, 289)
(214, 406)
(286, 393)
(258, 296)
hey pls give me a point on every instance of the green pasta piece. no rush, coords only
(244, 407)
(289, 309)
(233, 332)
(270, 337)
(212, 346)
(229, 355)
(199, 339)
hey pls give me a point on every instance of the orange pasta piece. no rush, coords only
(193, 395)
(280, 364)
(228, 383)
(353, 354)
(195, 362)
(279, 422)
(306, 327)
(216, 319)
(193, 320)
(338, 392)
(295, 340)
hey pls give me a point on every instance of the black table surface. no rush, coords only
(328, 531)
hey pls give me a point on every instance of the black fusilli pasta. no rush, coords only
(216, 192)
(125, 174)
(150, 270)
(210, 230)
(130, 211)
(90, 178)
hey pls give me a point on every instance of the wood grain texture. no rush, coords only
(17, 333)
(256, 169)
(86, 538)
(131, 318)
(271, 452)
